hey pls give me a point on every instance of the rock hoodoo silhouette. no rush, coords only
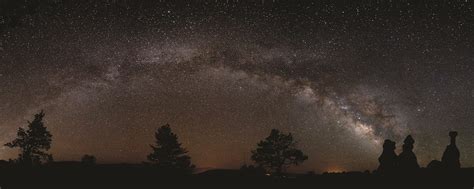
(450, 157)
(388, 158)
(407, 159)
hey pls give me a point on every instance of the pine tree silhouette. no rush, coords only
(168, 154)
(277, 152)
(33, 143)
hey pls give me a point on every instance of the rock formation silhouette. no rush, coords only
(388, 158)
(450, 157)
(407, 159)
(435, 164)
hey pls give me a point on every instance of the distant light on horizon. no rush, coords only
(335, 170)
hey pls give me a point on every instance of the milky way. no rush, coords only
(341, 78)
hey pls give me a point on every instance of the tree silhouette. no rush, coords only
(277, 152)
(88, 160)
(33, 142)
(168, 154)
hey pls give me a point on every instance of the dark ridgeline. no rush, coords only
(388, 158)
(170, 164)
(250, 170)
(450, 157)
(407, 159)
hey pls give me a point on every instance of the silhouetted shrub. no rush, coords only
(88, 160)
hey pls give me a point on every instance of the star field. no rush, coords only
(342, 77)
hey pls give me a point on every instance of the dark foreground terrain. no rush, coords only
(134, 176)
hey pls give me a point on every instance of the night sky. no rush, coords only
(342, 77)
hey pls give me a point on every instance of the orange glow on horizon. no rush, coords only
(335, 170)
